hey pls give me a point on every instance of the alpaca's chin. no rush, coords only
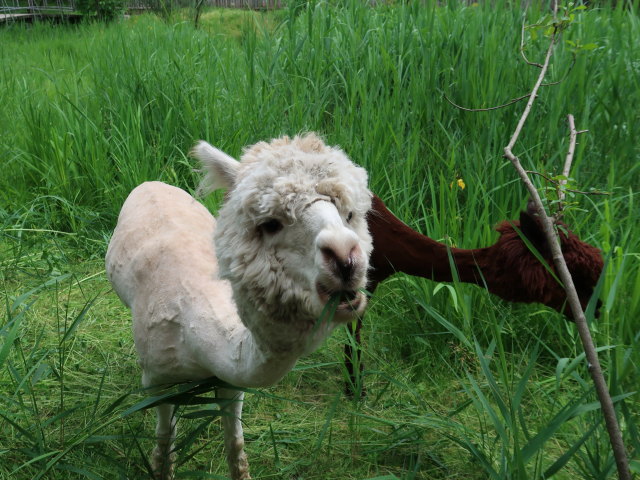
(351, 303)
(350, 308)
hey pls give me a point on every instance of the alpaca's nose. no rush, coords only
(338, 253)
(342, 265)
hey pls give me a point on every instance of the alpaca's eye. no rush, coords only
(271, 226)
(349, 217)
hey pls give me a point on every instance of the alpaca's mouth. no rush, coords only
(347, 301)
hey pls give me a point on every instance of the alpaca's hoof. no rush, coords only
(240, 470)
(241, 475)
(164, 473)
(351, 391)
(162, 465)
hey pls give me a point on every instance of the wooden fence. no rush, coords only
(33, 7)
(39, 6)
(251, 4)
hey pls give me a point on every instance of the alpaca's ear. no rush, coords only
(531, 228)
(221, 169)
(532, 210)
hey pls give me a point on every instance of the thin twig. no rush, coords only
(534, 64)
(510, 102)
(562, 182)
(595, 370)
(515, 100)
(564, 77)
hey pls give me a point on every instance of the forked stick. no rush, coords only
(608, 410)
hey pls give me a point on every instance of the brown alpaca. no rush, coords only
(507, 268)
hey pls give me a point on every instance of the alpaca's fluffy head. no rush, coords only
(292, 232)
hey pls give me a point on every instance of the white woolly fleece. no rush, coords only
(291, 233)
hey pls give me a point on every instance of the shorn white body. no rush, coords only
(240, 298)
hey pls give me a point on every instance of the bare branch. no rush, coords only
(606, 403)
(573, 136)
(532, 96)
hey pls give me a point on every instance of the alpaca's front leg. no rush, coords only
(163, 456)
(233, 437)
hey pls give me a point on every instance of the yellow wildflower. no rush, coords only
(460, 183)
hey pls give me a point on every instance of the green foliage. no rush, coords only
(552, 24)
(106, 10)
(460, 385)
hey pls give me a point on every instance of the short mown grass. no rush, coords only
(460, 384)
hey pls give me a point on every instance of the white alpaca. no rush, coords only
(291, 234)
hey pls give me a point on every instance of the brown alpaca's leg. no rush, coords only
(353, 362)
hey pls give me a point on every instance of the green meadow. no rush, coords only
(460, 385)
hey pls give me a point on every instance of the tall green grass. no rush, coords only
(460, 384)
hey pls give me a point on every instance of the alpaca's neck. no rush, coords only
(242, 346)
(419, 255)
(242, 360)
